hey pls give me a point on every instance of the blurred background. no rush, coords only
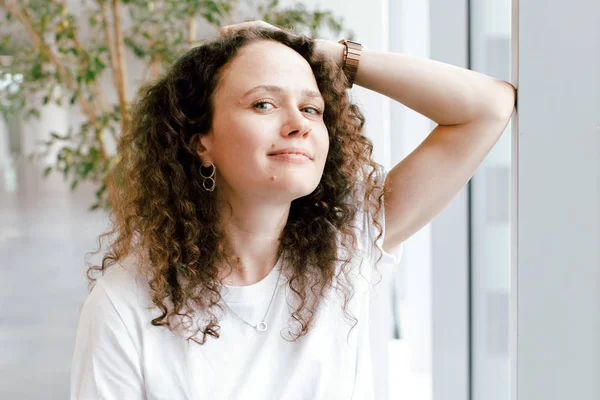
(47, 227)
(441, 325)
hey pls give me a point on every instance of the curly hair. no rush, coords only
(160, 207)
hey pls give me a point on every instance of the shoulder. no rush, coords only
(122, 291)
(122, 283)
(109, 335)
(123, 280)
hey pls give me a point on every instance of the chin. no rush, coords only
(297, 188)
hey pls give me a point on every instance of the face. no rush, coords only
(268, 101)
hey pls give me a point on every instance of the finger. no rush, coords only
(231, 29)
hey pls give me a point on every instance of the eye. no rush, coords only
(316, 111)
(262, 103)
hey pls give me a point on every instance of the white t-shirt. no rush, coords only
(120, 355)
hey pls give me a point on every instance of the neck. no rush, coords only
(253, 234)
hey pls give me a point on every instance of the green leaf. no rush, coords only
(90, 76)
(56, 136)
(99, 64)
(212, 6)
(32, 113)
(47, 171)
(94, 154)
(100, 191)
(87, 168)
(135, 48)
(209, 17)
(36, 71)
(74, 184)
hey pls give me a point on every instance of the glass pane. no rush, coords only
(490, 200)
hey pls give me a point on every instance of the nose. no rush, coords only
(295, 124)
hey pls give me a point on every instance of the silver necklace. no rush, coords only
(262, 325)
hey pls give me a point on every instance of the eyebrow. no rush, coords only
(278, 89)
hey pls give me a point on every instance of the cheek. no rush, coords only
(324, 142)
(238, 144)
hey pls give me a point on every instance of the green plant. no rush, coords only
(51, 62)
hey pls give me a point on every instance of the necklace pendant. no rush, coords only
(261, 326)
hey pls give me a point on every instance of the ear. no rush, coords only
(203, 145)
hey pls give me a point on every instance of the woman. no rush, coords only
(249, 217)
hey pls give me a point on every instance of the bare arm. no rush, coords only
(471, 109)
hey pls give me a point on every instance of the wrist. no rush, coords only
(333, 49)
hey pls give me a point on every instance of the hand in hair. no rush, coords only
(231, 29)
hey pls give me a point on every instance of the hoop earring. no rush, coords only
(207, 171)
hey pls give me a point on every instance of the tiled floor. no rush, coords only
(45, 232)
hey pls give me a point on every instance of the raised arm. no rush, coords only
(471, 110)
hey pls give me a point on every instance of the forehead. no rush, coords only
(266, 63)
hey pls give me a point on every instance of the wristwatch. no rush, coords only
(351, 59)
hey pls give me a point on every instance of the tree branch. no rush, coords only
(109, 43)
(191, 23)
(154, 69)
(20, 11)
(25, 19)
(95, 87)
(154, 64)
(120, 63)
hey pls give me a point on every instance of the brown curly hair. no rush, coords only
(159, 205)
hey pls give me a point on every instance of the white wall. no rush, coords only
(410, 33)
(450, 234)
(490, 40)
(555, 335)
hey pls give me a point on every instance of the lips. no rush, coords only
(293, 150)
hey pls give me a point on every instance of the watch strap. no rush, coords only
(351, 59)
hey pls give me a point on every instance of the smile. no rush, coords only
(291, 157)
